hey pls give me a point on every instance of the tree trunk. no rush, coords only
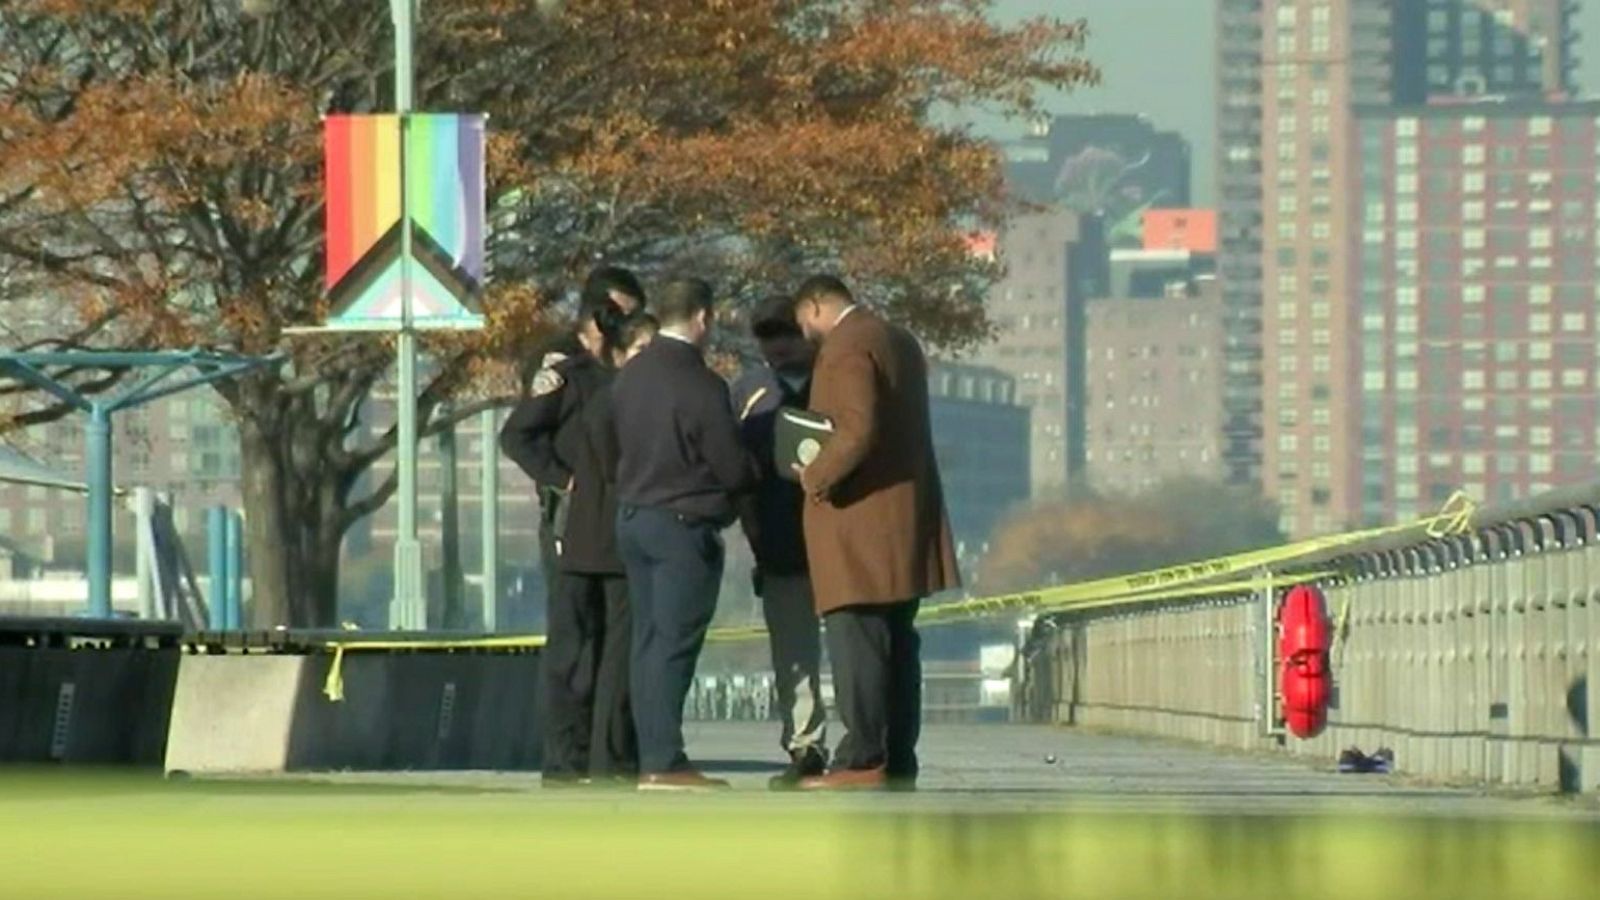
(292, 534)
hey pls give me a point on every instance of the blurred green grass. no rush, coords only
(94, 834)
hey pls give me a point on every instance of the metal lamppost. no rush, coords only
(408, 610)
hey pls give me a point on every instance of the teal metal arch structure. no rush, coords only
(162, 374)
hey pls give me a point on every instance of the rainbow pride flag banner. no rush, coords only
(444, 177)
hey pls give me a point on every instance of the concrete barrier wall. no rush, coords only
(266, 712)
(75, 692)
(1476, 659)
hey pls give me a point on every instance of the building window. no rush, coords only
(1472, 154)
(1574, 378)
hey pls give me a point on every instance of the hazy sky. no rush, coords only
(1156, 57)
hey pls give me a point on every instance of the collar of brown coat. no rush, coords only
(859, 319)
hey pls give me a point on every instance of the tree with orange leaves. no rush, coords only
(160, 184)
(1082, 538)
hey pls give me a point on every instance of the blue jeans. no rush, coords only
(674, 572)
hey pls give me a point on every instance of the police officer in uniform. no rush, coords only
(545, 437)
(622, 288)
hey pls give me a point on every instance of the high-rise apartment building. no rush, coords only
(1291, 75)
(183, 446)
(981, 437)
(1478, 301)
(1154, 392)
(1482, 48)
(1239, 193)
(1055, 261)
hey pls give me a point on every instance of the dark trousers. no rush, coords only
(588, 716)
(674, 571)
(877, 686)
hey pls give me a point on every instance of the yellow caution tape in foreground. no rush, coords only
(1236, 573)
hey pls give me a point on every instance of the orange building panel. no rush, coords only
(1194, 230)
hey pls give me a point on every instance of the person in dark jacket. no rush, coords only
(773, 523)
(545, 438)
(680, 469)
(592, 580)
(622, 288)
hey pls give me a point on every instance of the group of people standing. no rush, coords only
(643, 456)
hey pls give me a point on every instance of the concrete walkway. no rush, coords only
(1028, 768)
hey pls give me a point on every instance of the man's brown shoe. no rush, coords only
(848, 780)
(685, 781)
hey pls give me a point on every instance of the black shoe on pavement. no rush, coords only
(1352, 761)
(803, 764)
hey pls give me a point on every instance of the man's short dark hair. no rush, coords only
(635, 327)
(823, 287)
(605, 281)
(679, 300)
(774, 318)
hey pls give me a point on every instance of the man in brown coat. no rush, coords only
(876, 530)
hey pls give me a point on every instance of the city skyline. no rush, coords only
(1124, 46)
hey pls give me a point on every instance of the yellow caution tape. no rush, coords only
(1237, 573)
(333, 685)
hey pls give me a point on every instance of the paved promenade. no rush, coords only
(1032, 768)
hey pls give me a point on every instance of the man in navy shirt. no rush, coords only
(680, 470)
